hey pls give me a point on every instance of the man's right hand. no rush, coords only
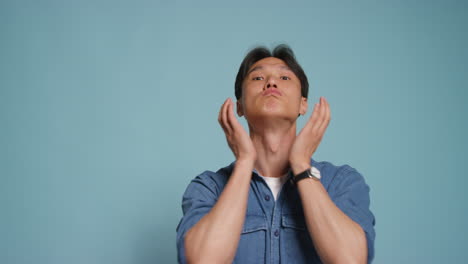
(238, 139)
(215, 237)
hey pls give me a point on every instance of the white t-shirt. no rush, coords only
(275, 184)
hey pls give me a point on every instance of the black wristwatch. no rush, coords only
(312, 173)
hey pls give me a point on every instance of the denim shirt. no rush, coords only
(276, 231)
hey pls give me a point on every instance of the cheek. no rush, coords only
(252, 91)
(295, 101)
(253, 86)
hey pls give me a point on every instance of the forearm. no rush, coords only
(215, 237)
(337, 238)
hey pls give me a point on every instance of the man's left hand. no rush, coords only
(309, 138)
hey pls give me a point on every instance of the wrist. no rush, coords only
(245, 162)
(299, 167)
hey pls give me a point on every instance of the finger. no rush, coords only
(224, 116)
(321, 114)
(220, 117)
(312, 123)
(327, 115)
(232, 120)
(220, 111)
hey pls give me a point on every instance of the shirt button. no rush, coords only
(276, 233)
(267, 197)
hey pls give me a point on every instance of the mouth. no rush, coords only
(271, 92)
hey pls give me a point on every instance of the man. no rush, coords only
(275, 203)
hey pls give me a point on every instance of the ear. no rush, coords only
(303, 107)
(240, 109)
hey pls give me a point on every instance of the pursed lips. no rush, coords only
(272, 91)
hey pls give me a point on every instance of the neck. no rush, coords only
(273, 144)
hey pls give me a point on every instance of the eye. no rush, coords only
(285, 78)
(257, 78)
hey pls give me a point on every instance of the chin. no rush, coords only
(273, 108)
(273, 113)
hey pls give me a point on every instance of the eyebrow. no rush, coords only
(256, 68)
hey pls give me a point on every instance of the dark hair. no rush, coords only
(282, 52)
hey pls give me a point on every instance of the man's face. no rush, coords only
(271, 90)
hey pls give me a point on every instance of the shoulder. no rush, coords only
(334, 176)
(213, 180)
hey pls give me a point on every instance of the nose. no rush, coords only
(271, 83)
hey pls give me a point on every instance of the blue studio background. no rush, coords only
(109, 108)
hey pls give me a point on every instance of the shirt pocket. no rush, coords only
(295, 244)
(252, 243)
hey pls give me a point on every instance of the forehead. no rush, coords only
(270, 62)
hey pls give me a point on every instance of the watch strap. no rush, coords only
(303, 175)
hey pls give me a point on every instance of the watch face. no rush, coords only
(315, 172)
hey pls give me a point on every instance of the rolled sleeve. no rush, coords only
(351, 195)
(198, 199)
